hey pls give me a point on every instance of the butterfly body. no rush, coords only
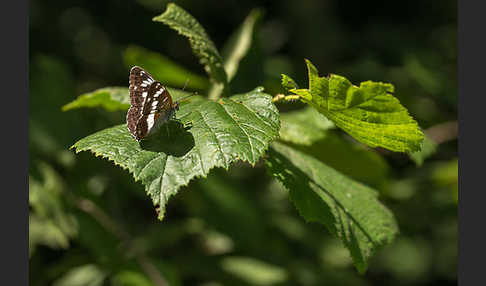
(150, 104)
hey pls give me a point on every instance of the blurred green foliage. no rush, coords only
(90, 223)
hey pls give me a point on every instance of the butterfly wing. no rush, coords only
(157, 109)
(140, 82)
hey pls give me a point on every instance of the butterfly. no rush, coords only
(151, 104)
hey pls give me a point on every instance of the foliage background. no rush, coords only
(238, 227)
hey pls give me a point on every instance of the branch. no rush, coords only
(443, 132)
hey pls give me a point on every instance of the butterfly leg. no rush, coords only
(178, 120)
(188, 125)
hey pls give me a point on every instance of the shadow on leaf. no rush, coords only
(176, 142)
(317, 204)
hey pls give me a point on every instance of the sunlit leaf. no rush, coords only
(369, 113)
(348, 209)
(216, 134)
(288, 83)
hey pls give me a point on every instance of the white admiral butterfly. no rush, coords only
(151, 104)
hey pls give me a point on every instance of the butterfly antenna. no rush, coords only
(185, 84)
(185, 97)
(181, 99)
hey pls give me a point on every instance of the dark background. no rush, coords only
(78, 46)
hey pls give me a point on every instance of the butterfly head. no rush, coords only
(175, 106)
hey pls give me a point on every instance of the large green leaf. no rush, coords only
(202, 46)
(163, 69)
(348, 209)
(218, 133)
(369, 112)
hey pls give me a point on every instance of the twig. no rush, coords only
(443, 132)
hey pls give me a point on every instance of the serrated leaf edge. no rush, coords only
(237, 158)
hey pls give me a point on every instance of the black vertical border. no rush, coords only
(14, 210)
(472, 143)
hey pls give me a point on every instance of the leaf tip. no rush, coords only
(160, 213)
(66, 107)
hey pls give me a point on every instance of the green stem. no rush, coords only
(215, 91)
(282, 97)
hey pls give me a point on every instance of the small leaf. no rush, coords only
(163, 69)
(429, 147)
(234, 51)
(202, 46)
(239, 43)
(288, 83)
(253, 271)
(110, 98)
(88, 274)
(348, 209)
(218, 134)
(369, 112)
(304, 126)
